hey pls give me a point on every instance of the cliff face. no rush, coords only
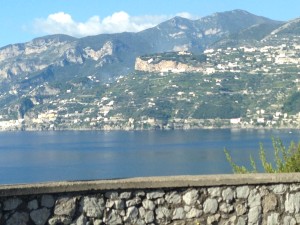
(37, 55)
(164, 66)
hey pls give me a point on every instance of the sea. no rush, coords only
(32, 157)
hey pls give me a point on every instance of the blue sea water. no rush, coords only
(27, 157)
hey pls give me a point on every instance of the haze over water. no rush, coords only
(27, 157)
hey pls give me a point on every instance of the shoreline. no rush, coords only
(149, 129)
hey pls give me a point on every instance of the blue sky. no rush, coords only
(23, 20)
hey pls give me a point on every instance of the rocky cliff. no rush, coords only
(41, 53)
(176, 62)
(164, 66)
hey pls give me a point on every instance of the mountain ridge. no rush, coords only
(175, 34)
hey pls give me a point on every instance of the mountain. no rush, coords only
(250, 36)
(59, 73)
(108, 55)
(289, 28)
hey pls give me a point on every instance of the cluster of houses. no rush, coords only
(265, 59)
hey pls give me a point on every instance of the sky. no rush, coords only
(24, 20)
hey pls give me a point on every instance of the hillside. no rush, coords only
(231, 69)
(237, 87)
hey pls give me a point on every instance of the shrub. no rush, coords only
(286, 160)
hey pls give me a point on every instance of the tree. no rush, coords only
(286, 160)
(25, 105)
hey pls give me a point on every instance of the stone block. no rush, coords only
(65, 206)
(210, 206)
(191, 197)
(11, 204)
(40, 216)
(47, 201)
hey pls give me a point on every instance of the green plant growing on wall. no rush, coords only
(286, 160)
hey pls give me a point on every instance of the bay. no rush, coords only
(29, 157)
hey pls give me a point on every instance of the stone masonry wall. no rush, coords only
(269, 203)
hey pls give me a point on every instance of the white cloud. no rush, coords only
(63, 23)
(188, 16)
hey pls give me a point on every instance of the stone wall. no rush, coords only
(199, 200)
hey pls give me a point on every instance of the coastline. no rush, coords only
(152, 129)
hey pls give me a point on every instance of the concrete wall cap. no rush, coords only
(148, 183)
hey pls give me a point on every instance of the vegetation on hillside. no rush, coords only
(292, 104)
